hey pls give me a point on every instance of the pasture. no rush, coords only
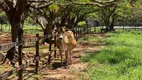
(38, 40)
(114, 56)
(120, 59)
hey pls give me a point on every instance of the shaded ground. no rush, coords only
(74, 71)
(6, 37)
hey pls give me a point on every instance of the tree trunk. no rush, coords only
(112, 23)
(14, 11)
(111, 27)
(70, 23)
(48, 32)
(106, 24)
(48, 28)
(16, 30)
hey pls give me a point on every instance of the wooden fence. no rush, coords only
(79, 32)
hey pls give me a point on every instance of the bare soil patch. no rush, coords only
(6, 37)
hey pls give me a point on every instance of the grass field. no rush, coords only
(28, 29)
(121, 59)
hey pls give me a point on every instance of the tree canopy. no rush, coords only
(70, 12)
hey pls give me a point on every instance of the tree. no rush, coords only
(118, 12)
(16, 12)
(108, 17)
(136, 15)
(67, 12)
(79, 13)
(45, 17)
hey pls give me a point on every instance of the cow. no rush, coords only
(65, 42)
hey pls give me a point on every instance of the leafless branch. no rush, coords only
(3, 6)
(38, 1)
(94, 2)
(41, 6)
(131, 3)
(9, 3)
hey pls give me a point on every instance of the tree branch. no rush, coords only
(39, 1)
(9, 4)
(131, 3)
(94, 2)
(42, 6)
(20, 7)
(26, 13)
(37, 20)
(111, 12)
(3, 6)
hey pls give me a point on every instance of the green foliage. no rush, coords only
(120, 60)
(53, 7)
(81, 9)
(82, 23)
(124, 9)
(5, 28)
(87, 1)
(3, 17)
(2, 14)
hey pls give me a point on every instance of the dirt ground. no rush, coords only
(74, 71)
(6, 37)
(77, 69)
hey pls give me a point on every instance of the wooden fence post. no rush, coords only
(20, 45)
(55, 55)
(84, 31)
(1, 27)
(77, 33)
(50, 52)
(80, 32)
(37, 54)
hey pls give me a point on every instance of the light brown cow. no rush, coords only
(65, 42)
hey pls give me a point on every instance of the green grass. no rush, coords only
(5, 28)
(121, 59)
(91, 39)
(28, 29)
(4, 68)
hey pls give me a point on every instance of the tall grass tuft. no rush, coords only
(93, 39)
(121, 59)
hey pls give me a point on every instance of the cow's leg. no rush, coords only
(67, 59)
(61, 57)
(70, 55)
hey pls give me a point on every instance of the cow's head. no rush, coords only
(60, 32)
